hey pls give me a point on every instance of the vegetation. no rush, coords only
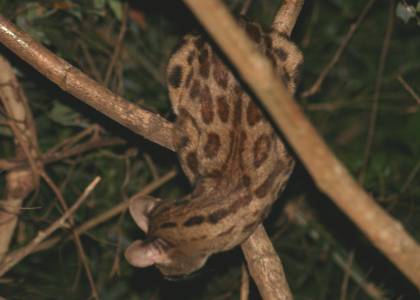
(324, 255)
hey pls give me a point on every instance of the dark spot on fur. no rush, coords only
(226, 232)
(181, 202)
(253, 114)
(220, 72)
(175, 76)
(168, 225)
(250, 226)
(241, 202)
(298, 73)
(214, 173)
(281, 54)
(238, 90)
(183, 142)
(241, 149)
(261, 149)
(212, 145)
(271, 58)
(192, 162)
(201, 237)
(203, 58)
(268, 42)
(222, 108)
(193, 221)
(199, 42)
(246, 180)
(195, 89)
(266, 186)
(237, 112)
(190, 57)
(286, 76)
(253, 31)
(189, 78)
(207, 112)
(218, 215)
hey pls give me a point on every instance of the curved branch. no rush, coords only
(329, 174)
(69, 78)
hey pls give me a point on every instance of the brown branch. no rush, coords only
(316, 86)
(263, 262)
(265, 266)
(408, 88)
(19, 182)
(150, 125)
(287, 15)
(16, 256)
(330, 175)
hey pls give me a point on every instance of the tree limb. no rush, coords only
(69, 78)
(329, 174)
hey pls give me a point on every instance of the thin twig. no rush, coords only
(245, 7)
(408, 88)
(16, 256)
(347, 272)
(112, 212)
(118, 47)
(299, 214)
(75, 235)
(316, 86)
(410, 177)
(377, 92)
(51, 157)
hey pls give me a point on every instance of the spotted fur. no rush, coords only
(230, 153)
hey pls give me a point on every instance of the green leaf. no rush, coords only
(116, 8)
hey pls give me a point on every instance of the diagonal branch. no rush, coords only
(150, 125)
(330, 175)
(16, 256)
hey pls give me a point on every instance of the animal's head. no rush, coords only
(169, 259)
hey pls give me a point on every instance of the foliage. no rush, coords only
(315, 240)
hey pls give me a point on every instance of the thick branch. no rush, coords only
(19, 182)
(150, 125)
(265, 266)
(386, 233)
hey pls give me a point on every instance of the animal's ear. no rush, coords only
(140, 207)
(143, 254)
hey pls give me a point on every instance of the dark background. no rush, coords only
(324, 255)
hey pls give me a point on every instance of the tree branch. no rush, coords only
(330, 175)
(149, 125)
